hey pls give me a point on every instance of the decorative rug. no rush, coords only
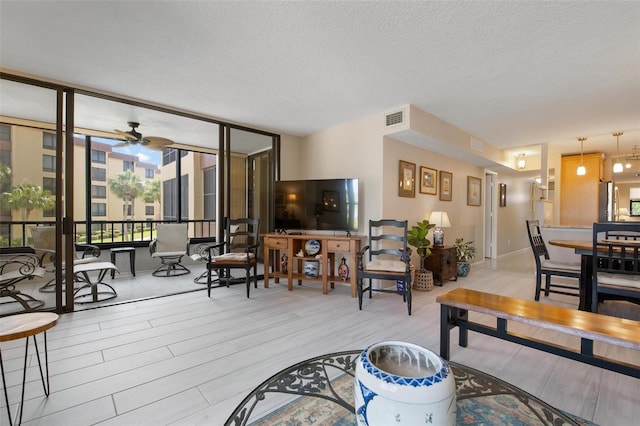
(319, 392)
(493, 407)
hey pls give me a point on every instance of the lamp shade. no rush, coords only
(440, 219)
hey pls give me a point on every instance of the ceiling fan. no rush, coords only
(133, 137)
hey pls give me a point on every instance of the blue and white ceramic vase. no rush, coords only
(343, 270)
(463, 268)
(398, 383)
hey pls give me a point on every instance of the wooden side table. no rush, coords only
(443, 262)
(26, 325)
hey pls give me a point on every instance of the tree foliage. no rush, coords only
(27, 197)
(127, 186)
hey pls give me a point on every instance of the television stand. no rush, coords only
(275, 245)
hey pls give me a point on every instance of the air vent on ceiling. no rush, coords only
(395, 118)
(476, 144)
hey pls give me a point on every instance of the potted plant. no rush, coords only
(465, 252)
(417, 237)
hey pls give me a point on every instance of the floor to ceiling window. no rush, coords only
(168, 170)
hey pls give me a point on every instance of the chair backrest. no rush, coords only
(171, 237)
(387, 237)
(241, 233)
(537, 243)
(44, 242)
(43, 237)
(619, 256)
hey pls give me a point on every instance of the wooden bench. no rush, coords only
(588, 326)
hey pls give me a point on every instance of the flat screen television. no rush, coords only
(321, 204)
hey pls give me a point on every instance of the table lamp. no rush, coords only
(441, 220)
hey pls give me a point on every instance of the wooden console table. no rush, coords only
(290, 245)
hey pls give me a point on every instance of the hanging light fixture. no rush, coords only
(618, 167)
(522, 161)
(581, 169)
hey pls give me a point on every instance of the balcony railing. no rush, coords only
(105, 233)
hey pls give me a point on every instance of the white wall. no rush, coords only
(466, 221)
(352, 150)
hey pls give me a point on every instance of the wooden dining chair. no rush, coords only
(548, 267)
(238, 251)
(616, 264)
(386, 259)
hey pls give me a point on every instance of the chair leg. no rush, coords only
(209, 282)
(359, 284)
(407, 290)
(248, 281)
(538, 286)
(547, 286)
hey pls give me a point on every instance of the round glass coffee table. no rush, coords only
(320, 391)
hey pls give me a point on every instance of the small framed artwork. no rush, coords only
(407, 179)
(279, 199)
(474, 190)
(428, 181)
(502, 189)
(331, 201)
(446, 185)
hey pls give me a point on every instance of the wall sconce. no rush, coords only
(502, 189)
(292, 198)
(521, 161)
(441, 220)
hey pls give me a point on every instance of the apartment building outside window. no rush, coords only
(149, 173)
(170, 193)
(98, 174)
(98, 156)
(98, 209)
(98, 191)
(48, 163)
(209, 196)
(49, 140)
(127, 165)
(149, 210)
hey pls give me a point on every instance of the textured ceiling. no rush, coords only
(513, 74)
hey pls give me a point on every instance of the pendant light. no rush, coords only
(618, 167)
(581, 169)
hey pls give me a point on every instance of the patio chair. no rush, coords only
(44, 244)
(170, 246)
(15, 268)
(385, 260)
(616, 264)
(240, 251)
(548, 267)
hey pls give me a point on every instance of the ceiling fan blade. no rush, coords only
(121, 144)
(124, 134)
(157, 141)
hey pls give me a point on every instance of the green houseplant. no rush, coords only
(417, 237)
(466, 252)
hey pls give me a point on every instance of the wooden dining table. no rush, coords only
(585, 249)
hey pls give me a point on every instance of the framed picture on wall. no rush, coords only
(407, 179)
(428, 180)
(446, 185)
(474, 191)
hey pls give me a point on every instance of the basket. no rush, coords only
(423, 281)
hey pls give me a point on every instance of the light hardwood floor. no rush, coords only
(189, 360)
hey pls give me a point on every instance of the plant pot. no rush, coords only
(398, 380)
(463, 268)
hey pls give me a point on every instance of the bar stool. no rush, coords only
(26, 325)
